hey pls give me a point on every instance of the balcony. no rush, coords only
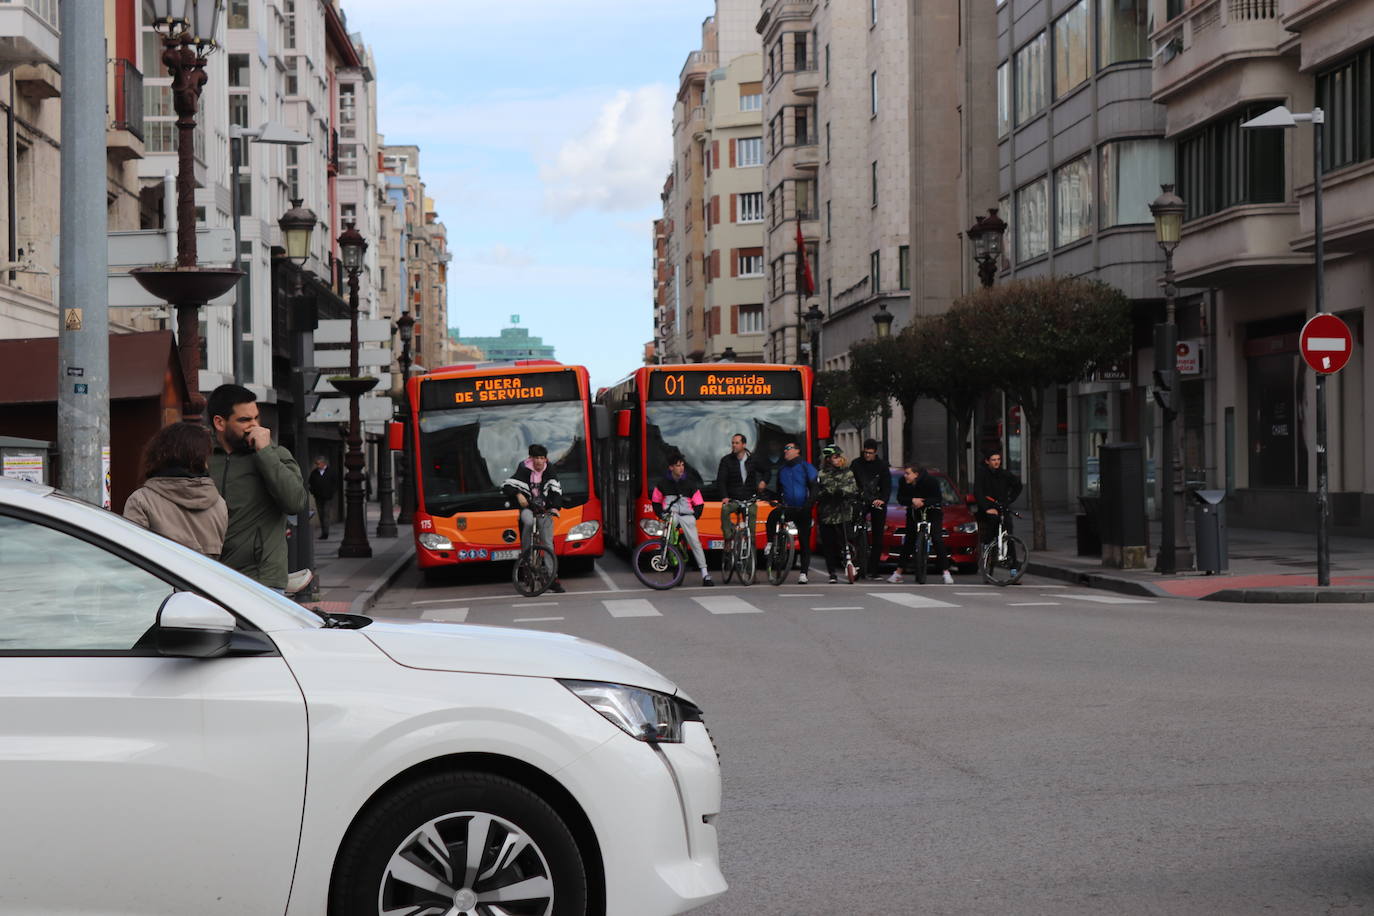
(696, 122)
(699, 63)
(1238, 243)
(784, 11)
(37, 82)
(1211, 36)
(28, 33)
(124, 136)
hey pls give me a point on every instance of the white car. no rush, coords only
(176, 739)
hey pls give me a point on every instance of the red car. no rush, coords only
(960, 527)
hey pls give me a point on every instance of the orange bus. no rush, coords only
(695, 409)
(472, 427)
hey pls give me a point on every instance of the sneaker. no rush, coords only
(557, 587)
(299, 580)
(895, 578)
(834, 579)
(1013, 573)
(801, 580)
(947, 578)
(706, 581)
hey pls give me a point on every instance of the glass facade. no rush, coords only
(1072, 49)
(1032, 220)
(1073, 201)
(1132, 172)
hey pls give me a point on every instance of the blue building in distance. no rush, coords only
(514, 343)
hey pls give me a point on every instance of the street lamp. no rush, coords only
(1282, 117)
(882, 326)
(238, 136)
(405, 326)
(352, 245)
(188, 29)
(814, 319)
(296, 226)
(986, 234)
(1174, 552)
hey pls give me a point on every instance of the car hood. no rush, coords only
(502, 650)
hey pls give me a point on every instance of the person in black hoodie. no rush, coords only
(993, 485)
(738, 482)
(679, 492)
(875, 481)
(535, 487)
(918, 492)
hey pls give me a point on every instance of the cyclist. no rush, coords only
(918, 491)
(993, 485)
(796, 493)
(738, 481)
(874, 483)
(535, 487)
(676, 482)
(837, 490)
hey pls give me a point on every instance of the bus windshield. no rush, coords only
(466, 453)
(701, 431)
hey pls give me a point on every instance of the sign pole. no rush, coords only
(1323, 496)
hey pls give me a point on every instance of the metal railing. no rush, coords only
(698, 60)
(1182, 31)
(126, 103)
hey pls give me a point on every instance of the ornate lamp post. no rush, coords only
(814, 319)
(882, 325)
(355, 544)
(405, 326)
(986, 234)
(188, 29)
(1174, 553)
(296, 226)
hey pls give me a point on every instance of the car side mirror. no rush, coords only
(189, 626)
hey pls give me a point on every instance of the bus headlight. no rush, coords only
(652, 527)
(583, 531)
(967, 528)
(431, 541)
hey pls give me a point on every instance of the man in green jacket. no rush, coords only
(260, 482)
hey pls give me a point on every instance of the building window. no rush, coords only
(1220, 165)
(293, 171)
(751, 319)
(751, 102)
(1073, 201)
(828, 216)
(873, 180)
(293, 86)
(875, 265)
(749, 152)
(827, 141)
(1125, 30)
(1030, 79)
(1005, 209)
(873, 92)
(1346, 94)
(751, 207)
(872, 12)
(1131, 172)
(1004, 99)
(1072, 53)
(827, 63)
(904, 267)
(751, 265)
(238, 14)
(238, 71)
(1033, 220)
(238, 109)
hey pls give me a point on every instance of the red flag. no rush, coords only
(806, 283)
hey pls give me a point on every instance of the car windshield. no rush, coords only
(948, 495)
(466, 453)
(701, 431)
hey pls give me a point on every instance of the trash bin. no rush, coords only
(1213, 547)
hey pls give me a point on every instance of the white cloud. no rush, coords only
(619, 163)
(496, 255)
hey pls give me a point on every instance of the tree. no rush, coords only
(885, 368)
(1041, 333)
(835, 389)
(951, 368)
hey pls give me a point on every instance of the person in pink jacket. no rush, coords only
(178, 500)
(680, 493)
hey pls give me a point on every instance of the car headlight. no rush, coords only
(967, 528)
(431, 541)
(645, 715)
(652, 527)
(584, 530)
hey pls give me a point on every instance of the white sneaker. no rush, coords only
(801, 580)
(895, 578)
(299, 580)
(948, 579)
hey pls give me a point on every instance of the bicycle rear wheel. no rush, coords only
(748, 560)
(780, 557)
(535, 571)
(728, 561)
(922, 557)
(1006, 569)
(657, 564)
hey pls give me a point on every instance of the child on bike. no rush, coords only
(535, 487)
(680, 493)
(919, 493)
(837, 491)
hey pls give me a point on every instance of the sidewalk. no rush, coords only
(1265, 566)
(350, 585)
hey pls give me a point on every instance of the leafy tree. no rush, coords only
(1038, 334)
(885, 369)
(951, 368)
(836, 389)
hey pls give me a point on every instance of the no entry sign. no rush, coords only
(1325, 343)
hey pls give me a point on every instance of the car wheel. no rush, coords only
(468, 843)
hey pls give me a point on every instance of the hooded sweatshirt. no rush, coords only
(183, 507)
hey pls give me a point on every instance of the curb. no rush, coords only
(368, 596)
(1303, 595)
(1096, 580)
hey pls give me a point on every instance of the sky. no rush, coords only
(545, 135)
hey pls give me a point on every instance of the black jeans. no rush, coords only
(832, 542)
(877, 520)
(802, 519)
(937, 538)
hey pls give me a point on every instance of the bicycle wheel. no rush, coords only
(728, 561)
(535, 571)
(858, 551)
(780, 557)
(748, 560)
(658, 564)
(1006, 569)
(922, 557)
(851, 572)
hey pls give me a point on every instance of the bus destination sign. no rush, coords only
(487, 390)
(767, 384)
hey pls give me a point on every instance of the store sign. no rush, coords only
(1112, 372)
(1189, 353)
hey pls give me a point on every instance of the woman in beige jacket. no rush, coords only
(178, 500)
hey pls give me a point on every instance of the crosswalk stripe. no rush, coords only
(631, 607)
(727, 604)
(1104, 599)
(1033, 604)
(850, 608)
(907, 599)
(446, 614)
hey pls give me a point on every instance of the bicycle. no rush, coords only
(738, 558)
(537, 567)
(781, 550)
(1003, 561)
(659, 563)
(856, 540)
(924, 541)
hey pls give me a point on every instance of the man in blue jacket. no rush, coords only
(796, 495)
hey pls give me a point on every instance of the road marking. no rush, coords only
(1104, 599)
(631, 607)
(976, 594)
(533, 619)
(906, 599)
(433, 601)
(799, 594)
(849, 608)
(1033, 604)
(605, 577)
(727, 604)
(534, 604)
(445, 614)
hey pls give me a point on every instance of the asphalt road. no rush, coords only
(968, 749)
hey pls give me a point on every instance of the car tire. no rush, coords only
(422, 831)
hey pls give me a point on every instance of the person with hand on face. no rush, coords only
(919, 492)
(260, 482)
(535, 487)
(993, 485)
(796, 494)
(875, 482)
(680, 493)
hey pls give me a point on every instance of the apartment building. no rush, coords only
(1249, 244)
(663, 298)
(685, 204)
(426, 259)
